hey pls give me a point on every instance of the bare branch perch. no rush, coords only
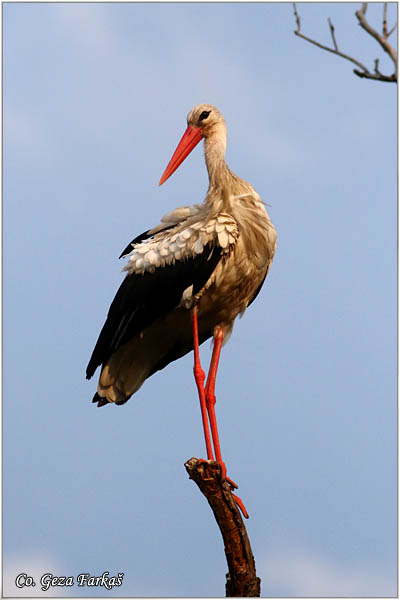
(241, 581)
(363, 71)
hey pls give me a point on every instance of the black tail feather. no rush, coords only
(100, 401)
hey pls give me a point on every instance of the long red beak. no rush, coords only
(190, 139)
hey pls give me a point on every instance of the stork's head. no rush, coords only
(204, 121)
(207, 118)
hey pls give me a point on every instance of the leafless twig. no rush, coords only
(362, 71)
(384, 24)
(391, 31)
(333, 35)
(382, 40)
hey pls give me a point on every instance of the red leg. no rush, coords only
(200, 377)
(210, 402)
(210, 394)
(210, 399)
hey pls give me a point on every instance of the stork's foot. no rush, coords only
(240, 505)
(232, 485)
(229, 481)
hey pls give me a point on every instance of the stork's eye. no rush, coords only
(204, 115)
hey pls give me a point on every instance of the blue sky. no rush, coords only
(95, 98)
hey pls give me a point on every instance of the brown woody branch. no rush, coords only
(363, 71)
(381, 39)
(241, 581)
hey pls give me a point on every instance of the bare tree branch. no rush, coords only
(241, 581)
(363, 71)
(333, 50)
(360, 14)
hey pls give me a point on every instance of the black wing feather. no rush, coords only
(142, 299)
(258, 290)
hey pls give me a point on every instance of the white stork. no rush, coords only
(187, 280)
